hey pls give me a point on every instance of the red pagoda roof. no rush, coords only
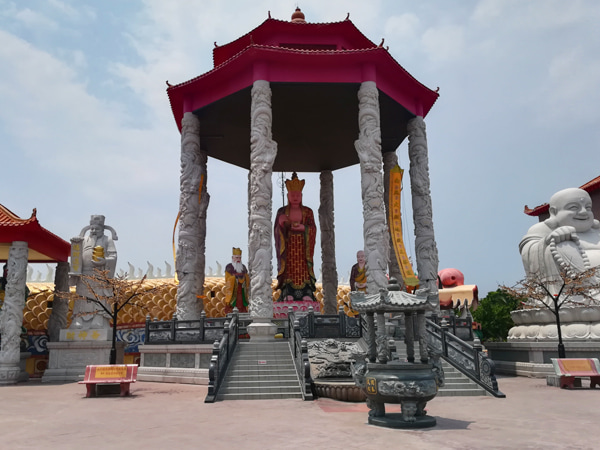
(315, 71)
(43, 245)
(590, 187)
(302, 36)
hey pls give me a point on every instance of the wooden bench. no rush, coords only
(122, 374)
(571, 370)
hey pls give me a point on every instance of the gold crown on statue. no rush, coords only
(237, 251)
(294, 184)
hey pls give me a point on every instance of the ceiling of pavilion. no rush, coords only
(314, 124)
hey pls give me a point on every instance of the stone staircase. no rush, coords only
(261, 370)
(456, 383)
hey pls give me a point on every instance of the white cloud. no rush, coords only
(534, 15)
(404, 28)
(570, 91)
(73, 14)
(444, 43)
(35, 20)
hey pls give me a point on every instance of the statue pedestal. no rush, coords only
(67, 360)
(578, 323)
(262, 329)
(280, 309)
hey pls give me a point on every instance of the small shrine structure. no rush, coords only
(306, 97)
(23, 241)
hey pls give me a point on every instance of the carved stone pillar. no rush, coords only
(204, 201)
(328, 264)
(263, 150)
(425, 246)
(390, 160)
(60, 305)
(368, 147)
(191, 228)
(11, 317)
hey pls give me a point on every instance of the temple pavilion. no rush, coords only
(306, 97)
(23, 241)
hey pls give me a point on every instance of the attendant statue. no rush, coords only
(94, 251)
(237, 283)
(358, 274)
(568, 240)
(295, 233)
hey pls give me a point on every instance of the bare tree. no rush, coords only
(112, 295)
(569, 287)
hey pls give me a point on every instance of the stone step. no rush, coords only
(260, 383)
(263, 370)
(460, 384)
(265, 361)
(261, 389)
(269, 377)
(445, 392)
(259, 396)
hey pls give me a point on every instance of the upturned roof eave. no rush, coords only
(13, 228)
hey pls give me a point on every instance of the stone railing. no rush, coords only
(468, 359)
(202, 331)
(322, 326)
(299, 349)
(222, 353)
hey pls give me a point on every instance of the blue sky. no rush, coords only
(86, 127)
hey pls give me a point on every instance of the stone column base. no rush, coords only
(9, 373)
(67, 360)
(15, 373)
(262, 330)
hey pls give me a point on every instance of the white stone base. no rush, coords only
(173, 375)
(533, 359)
(9, 373)
(67, 360)
(175, 363)
(262, 330)
(15, 373)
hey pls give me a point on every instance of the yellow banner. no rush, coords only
(395, 220)
(111, 372)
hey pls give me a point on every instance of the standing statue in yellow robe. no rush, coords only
(237, 283)
(358, 274)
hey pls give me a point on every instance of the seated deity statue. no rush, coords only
(295, 234)
(237, 283)
(97, 252)
(568, 240)
(358, 273)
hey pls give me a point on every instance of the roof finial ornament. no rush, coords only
(269, 14)
(216, 44)
(382, 41)
(168, 84)
(298, 16)
(347, 17)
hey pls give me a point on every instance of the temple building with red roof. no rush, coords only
(592, 187)
(23, 241)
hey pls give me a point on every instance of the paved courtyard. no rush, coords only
(158, 415)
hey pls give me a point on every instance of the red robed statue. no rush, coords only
(295, 233)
